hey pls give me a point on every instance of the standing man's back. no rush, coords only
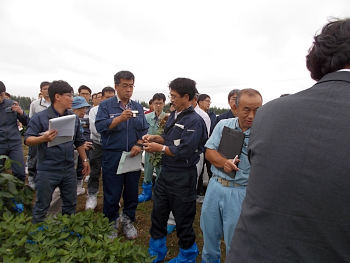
(297, 203)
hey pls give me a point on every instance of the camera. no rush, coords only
(134, 113)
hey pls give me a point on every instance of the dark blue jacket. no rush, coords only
(212, 117)
(9, 133)
(225, 115)
(125, 135)
(58, 157)
(190, 133)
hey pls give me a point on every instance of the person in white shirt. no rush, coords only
(36, 106)
(96, 153)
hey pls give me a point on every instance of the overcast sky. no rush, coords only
(221, 45)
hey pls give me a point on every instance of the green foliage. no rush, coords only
(82, 237)
(144, 104)
(218, 110)
(156, 158)
(24, 102)
(13, 191)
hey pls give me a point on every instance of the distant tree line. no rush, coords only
(24, 102)
(214, 109)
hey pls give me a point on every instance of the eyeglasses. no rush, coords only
(172, 97)
(68, 95)
(125, 86)
(209, 101)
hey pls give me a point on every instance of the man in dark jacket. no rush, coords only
(10, 137)
(231, 112)
(55, 164)
(181, 144)
(297, 203)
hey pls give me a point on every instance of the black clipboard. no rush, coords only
(230, 145)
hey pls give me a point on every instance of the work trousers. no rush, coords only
(45, 184)
(32, 158)
(220, 212)
(15, 153)
(116, 184)
(148, 172)
(176, 192)
(95, 168)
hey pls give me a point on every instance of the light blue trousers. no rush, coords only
(148, 173)
(220, 212)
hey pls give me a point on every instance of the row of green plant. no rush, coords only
(81, 237)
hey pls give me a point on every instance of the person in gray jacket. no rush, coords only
(297, 203)
(10, 137)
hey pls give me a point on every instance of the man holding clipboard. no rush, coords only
(227, 187)
(55, 160)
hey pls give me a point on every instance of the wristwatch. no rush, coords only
(86, 160)
(163, 149)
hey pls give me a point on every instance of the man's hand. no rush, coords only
(86, 169)
(135, 150)
(15, 107)
(153, 147)
(149, 138)
(126, 114)
(49, 136)
(87, 145)
(231, 164)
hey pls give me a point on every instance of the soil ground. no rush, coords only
(143, 223)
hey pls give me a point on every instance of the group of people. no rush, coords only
(295, 207)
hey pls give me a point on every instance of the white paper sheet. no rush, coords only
(129, 164)
(65, 126)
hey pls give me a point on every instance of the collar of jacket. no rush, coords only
(52, 113)
(338, 76)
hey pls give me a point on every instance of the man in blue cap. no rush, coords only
(80, 107)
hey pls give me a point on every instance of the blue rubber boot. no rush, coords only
(146, 193)
(186, 255)
(157, 247)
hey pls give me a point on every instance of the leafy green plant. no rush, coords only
(13, 192)
(82, 237)
(156, 158)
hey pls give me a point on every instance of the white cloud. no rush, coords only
(222, 44)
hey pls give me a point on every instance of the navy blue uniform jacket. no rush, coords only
(9, 133)
(186, 140)
(59, 157)
(125, 135)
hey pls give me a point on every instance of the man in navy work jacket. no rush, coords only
(55, 165)
(121, 130)
(182, 142)
(10, 137)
